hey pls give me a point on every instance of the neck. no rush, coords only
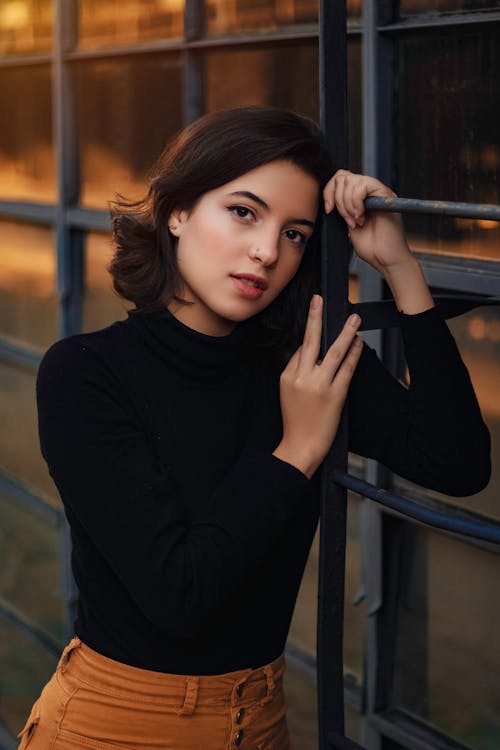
(190, 315)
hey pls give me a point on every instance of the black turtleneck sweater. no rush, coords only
(189, 537)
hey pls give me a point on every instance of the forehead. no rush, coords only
(281, 184)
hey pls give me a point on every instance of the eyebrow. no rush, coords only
(253, 197)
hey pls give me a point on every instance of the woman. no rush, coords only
(185, 441)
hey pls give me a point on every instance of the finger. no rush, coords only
(329, 195)
(312, 337)
(337, 351)
(358, 197)
(350, 187)
(341, 201)
(346, 370)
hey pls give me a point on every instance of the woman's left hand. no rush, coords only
(377, 237)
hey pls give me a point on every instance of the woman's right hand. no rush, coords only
(313, 392)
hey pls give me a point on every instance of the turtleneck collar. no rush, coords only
(194, 354)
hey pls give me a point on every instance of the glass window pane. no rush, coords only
(26, 26)
(28, 300)
(302, 716)
(101, 304)
(126, 111)
(19, 444)
(24, 669)
(447, 667)
(477, 334)
(284, 76)
(449, 145)
(102, 23)
(229, 16)
(27, 162)
(29, 566)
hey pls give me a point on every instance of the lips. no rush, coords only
(246, 288)
(256, 281)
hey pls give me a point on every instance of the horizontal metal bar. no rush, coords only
(410, 733)
(21, 61)
(88, 218)
(489, 531)
(429, 21)
(18, 493)
(385, 314)
(291, 34)
(24, 355)
(339, 742)
(14, 617)
(443, 208)
(35, 212)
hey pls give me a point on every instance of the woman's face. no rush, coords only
(257, 224)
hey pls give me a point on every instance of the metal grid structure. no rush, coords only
(380, 29)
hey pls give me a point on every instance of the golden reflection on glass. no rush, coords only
(284, 76)
(29, 566)
(104, 23)
(20, 455)
(127, 109)
(28, 300)
(26, 26)
(101, 305)
(229, 16)
(449, 146)
(477, 334)
(27, 162)
(448, 643)
(24, 669)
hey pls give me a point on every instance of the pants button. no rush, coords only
(238, 736)
(239, 715)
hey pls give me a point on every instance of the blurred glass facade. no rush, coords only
(86, 111)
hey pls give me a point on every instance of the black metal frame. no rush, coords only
(379, 29)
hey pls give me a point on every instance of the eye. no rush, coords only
(298, 238)
(241, 212)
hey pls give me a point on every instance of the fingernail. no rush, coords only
(357, 341)
(328, 207)
(354, 320)
(315, 301)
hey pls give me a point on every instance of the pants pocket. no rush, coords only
(26, 734)
(66, 740)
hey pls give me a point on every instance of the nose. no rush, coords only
(266, 248)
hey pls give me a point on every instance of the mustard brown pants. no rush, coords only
(95, 702)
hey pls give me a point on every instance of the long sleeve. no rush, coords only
(177, 570)
(431, 433)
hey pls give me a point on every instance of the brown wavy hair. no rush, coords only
(214, 150)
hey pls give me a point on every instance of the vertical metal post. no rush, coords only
(193, 62)
(69, 259)
(69, 254)
(335, 278)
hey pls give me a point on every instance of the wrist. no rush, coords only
(409, 288)
(407, 265)
(301, 460)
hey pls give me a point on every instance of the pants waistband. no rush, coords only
(230, 688)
